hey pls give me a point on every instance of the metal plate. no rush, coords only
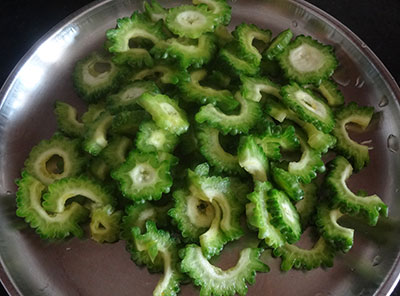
(82, 267)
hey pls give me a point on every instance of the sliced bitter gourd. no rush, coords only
(67, 120)
(95, 76)
(246, 34)
(224, 36)
(250, 113)
(330, 91)
(155, 11)
(229, 56)
(192, 215)
(278, 44)
(151, 138)
(308, 205)
(143, 176)
(165, 74)
(219, 8)
(341, 238)
(194, 92)
(47, 225)
(213, 280)
(190, 21)
(165, 112)
(321, 254)
(116, 151)
(284, 215)
(98, 168)
(308, 107)
(104, 224)
(352, 113)
(252, 87)
(288, 183)
(308, 61)
(95, 138)
(60, 191)
(341, 196)
(93, 111)
(127, 122)
(210, 147)
(159, 243)
(126, 98)
(252, 158)
(259, 217)
(55, 159)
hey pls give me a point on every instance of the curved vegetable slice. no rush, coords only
(47, 225)
(308, 205)
(60, 191)
(55, 159)
(192, 215)
(246, 34)
(95, 76)
(219, 8)
(67, 120)
(194, 92)
(341, 238)
(165, 112)
(321, 254)
(288, 183)
(259, 217)
(213, 280)
(143, 176)
(212, 150)
(370, 206)
(159, 243)
(166, 74)
(352, 113)
(126, 98)
(116, 151)
(104, 224)
(93, 111)
(249, 114)
(127, 122)
(151, 138)
(95, 139)
(252, 87)
(224, 36)
(308, 107)
(190, 21)
(155, 11)
(278, 44)
(98, 168)
(308, 61)
(252, 158)
(330, 91)
(230, 58)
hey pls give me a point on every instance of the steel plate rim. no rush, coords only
(393, 276)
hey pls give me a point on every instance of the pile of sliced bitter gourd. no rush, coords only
(192, 129)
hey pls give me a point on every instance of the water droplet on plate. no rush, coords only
(8, 192)
(377, 260)
(383, 102)
(294, 24)
(393, 143)
(366, 142)
(68, 249)
(359, 82)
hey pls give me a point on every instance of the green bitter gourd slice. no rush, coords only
(330, 91)
(252, 87)
(230, 58)
(278, 44)
(127, 122)
(104, 224)
(95, 138)
(308, 205)
(155, 11)
(252, 158)
(288, 183)
(116, 151)
(67, 120)
(151, 138)
(219, 8)
(162, 73)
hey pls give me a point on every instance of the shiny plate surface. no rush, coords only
(31, 266)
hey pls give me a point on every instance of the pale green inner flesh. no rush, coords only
(288, 212)
(143, 175)
(144, 216)
(306, 58)
(362, 121)
(334, 215)
(191, 19)
(136, 33)
(268, 89)
(132, 93)
(95, 78)
(169, 109)
(62, 197)
(308, 102)
(100, 133)
(254, 167)
(157, 139)
(41, 165)
(200, 213)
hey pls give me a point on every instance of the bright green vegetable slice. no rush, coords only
(95, 76)
(321, 254)
(252, 87)
(47, 225)
(252, 158)
(288, 183)
(210, 147)
(95, 138)
(104, 224)
(219, 8)
(143, 176)
(230, 57)
(250, 113)
(192, 215)
(190, 21)
(161, 73)
(159, 243)
(370, 206)
(308, 107)
(278, 44)
(284, 215)
(67, 120)
(259, 217)
(193, 91)
(308, 61)
(93, 111)
(330, 91)
(308, 205)
(151, 138)
(213, 280)
(165, 112)
(98, 168)
(116, 151)
(352, 113)
(54, 159)
(155, 11)
(126, 98)
(246, 34)
(127, 122)
(224, 36)
(341, 238)
(59, 192)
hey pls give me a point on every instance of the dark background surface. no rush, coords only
(23, 22)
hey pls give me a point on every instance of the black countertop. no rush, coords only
(23, 22)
